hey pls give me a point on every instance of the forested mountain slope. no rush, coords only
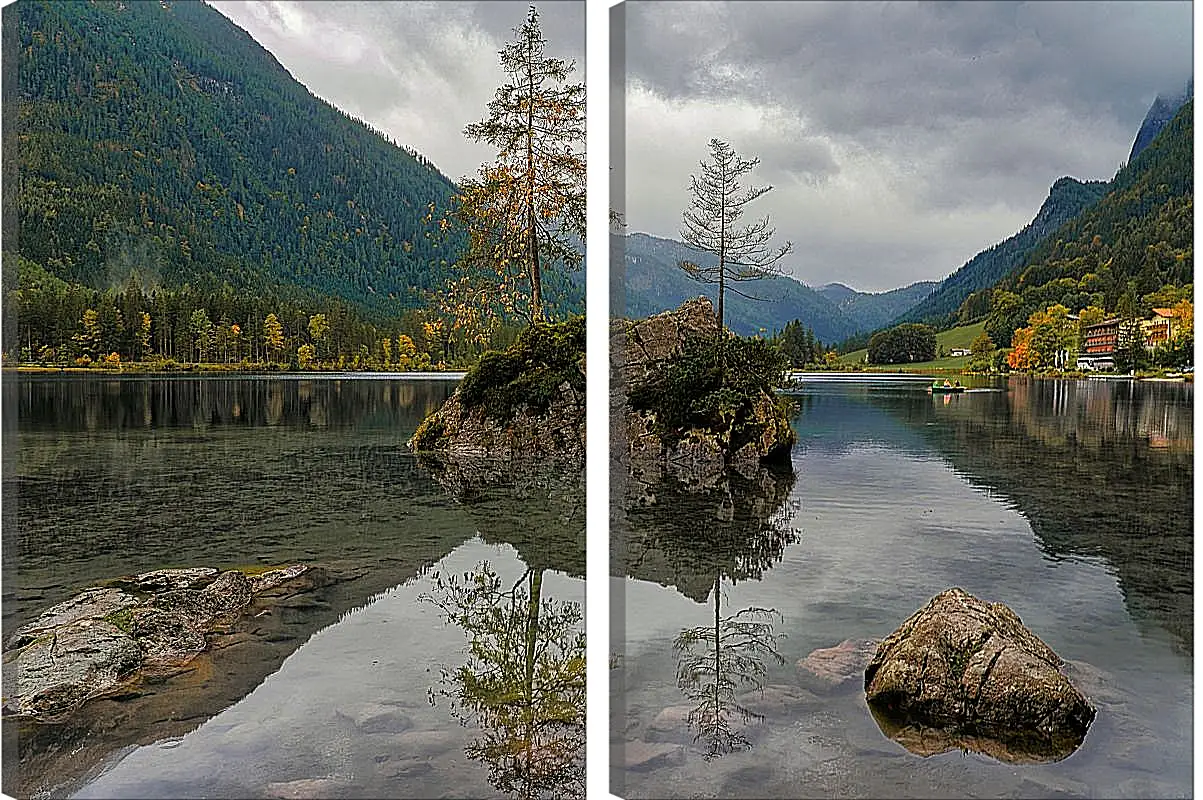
(1136, 239)
(1066, 199)
(159, 139)
(1158, 116)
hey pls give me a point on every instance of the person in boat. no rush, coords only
(957, 385)
(947, 385)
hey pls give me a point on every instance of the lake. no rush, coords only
(360, 690)
(1069, 501)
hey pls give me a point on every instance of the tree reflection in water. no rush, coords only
(695, 538)
(733, 654)
(522, 684)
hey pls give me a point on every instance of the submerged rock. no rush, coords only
(777, 701)
(971, 671)
(98, 642)
(669, 725)
(310, 789)
(829, 667)
(644, 756)
(377, 718)
(415, 743)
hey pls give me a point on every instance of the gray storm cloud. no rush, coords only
(903, 137)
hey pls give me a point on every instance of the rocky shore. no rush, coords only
(106, 639)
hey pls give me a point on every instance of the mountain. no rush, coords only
(870, 311)
(653, 283)
(1158, 116)
(158, 139)
(1138, 238)
(837, 292)
(1067, 198)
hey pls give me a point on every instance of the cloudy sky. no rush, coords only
(419, 71)
(900, 138)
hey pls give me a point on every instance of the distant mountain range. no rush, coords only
(871, 311)
(654, 282)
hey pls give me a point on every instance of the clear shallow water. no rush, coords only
(298, 729)
(1069, 501)
(120, 475)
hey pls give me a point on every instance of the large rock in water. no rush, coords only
(971, 670)
(639, 351)
(470, 431)
(523, 403)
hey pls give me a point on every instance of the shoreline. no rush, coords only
(256, 371)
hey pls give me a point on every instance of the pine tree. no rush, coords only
(711, 224)
(143, 335)
(526, 210)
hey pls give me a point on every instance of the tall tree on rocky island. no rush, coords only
(711, 224)
(525, 211)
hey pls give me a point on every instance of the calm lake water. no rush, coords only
(1070, 501)
(328, 697)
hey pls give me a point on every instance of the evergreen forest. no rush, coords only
(168, 165)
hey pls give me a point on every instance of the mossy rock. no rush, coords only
(527, 400)
(428, 434)
(717, 385)
(123, 619)
(530, 372)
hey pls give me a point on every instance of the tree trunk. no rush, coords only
(536, 279)
(718, 665)
(722, 285)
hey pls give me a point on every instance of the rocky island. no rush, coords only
(527, 401)
(691, 401)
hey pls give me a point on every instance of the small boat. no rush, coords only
(945, 389)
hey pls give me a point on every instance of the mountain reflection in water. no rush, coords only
(120, 475)
(1097, 469)
(1070, 501)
